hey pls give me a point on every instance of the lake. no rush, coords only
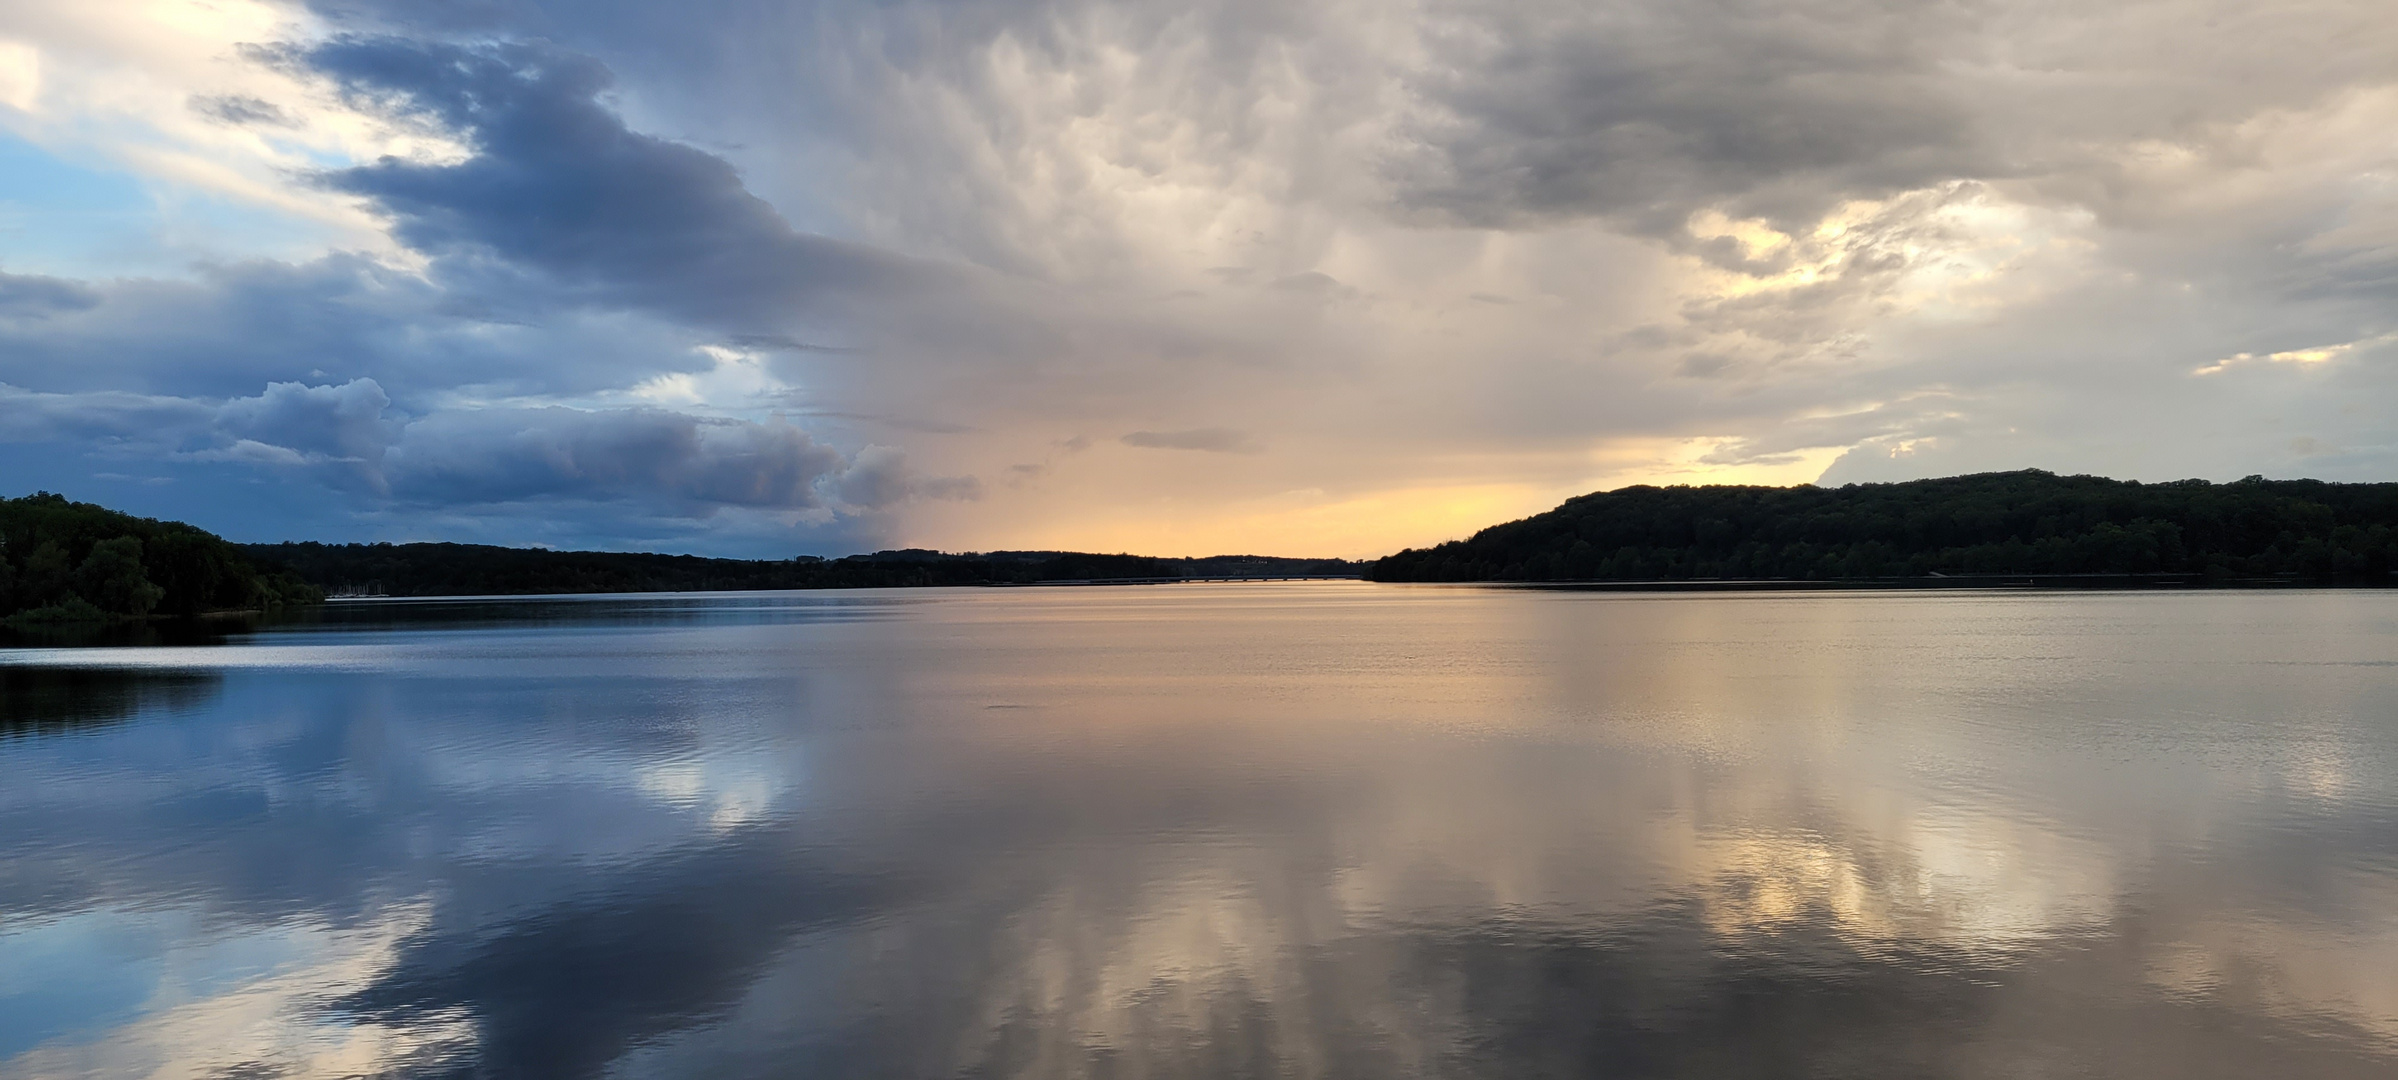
(1320, 829)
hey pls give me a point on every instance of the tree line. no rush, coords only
(434, 569)
(2014, 523)
(63, 561)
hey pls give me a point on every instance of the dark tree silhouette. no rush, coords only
(484, 570)
(2017, 523)
(64, 561)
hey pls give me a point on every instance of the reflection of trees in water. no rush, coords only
(34, 700)
(213, 630)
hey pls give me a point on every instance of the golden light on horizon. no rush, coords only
(1309, 523)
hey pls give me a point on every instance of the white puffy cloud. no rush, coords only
(313, 423)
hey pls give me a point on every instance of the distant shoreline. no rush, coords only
(1986, 583)
(349, 571)
(1081, 583)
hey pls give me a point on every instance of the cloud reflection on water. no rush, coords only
(1315, 831)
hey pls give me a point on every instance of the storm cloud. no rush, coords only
(1651, 111)
(498, 456)
(555, 182)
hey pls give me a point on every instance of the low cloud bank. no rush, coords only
(675, 463)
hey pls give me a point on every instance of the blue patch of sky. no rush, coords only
(63, 219)
(69, 218)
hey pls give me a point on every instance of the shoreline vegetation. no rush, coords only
(400, 570)
(68, 563)
(1987, 529)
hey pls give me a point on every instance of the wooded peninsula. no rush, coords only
(2028, 523)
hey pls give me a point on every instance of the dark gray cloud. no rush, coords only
(241, 109)
(34, 296)
(557, 183)
(228, 329)
(1646, 111)
(102, 419)
(349, 439)
(513, 455)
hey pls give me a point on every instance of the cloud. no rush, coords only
(1212, 440)
(556, 182)
(2299, 358)
(665, 463)
(1647, 112)
(230, 328)
(253, 452)
(33, 296)
(879, 476)
(1310, 283)
(321, 423)
(675, 462)
(101, 419)
(242, 109)
(514, 455)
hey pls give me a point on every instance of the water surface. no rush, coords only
(1305, 830)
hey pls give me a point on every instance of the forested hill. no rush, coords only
(1993, 523)
(64, 561)
(483, 570)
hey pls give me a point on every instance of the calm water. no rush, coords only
(1215, 831)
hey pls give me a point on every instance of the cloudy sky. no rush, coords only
(1307, 277)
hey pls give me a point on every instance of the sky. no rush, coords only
(1177, 277)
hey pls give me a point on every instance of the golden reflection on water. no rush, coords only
(1321, 830)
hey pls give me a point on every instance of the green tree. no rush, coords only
(2016, 523)
(47, 576)
(71, 561)
(111, 578)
